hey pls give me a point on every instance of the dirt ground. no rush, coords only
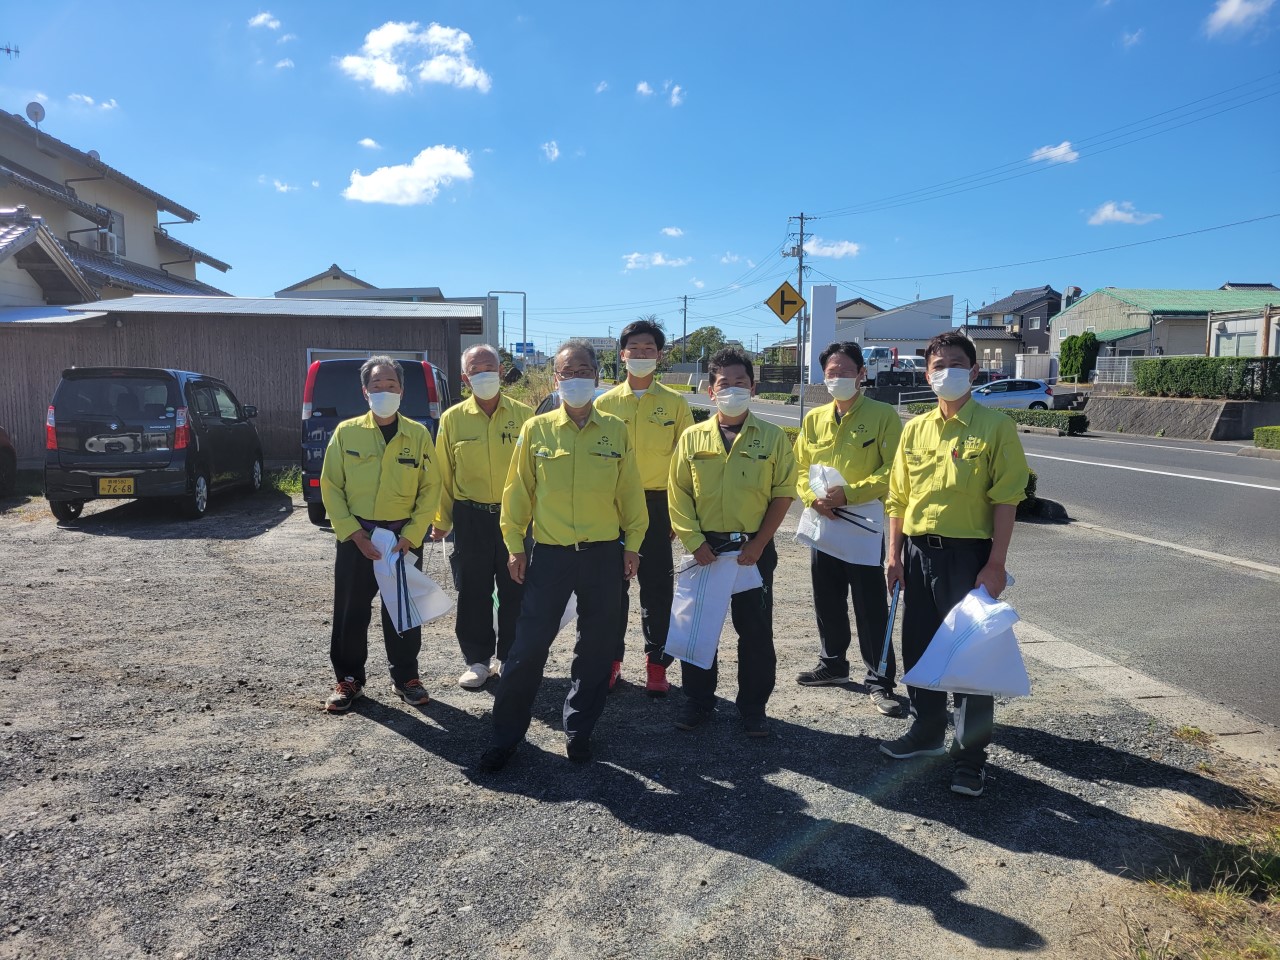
(170, 787)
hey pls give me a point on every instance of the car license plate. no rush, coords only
(115, 486)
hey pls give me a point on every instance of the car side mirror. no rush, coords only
(250, 411)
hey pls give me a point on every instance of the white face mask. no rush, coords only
(384, 404)
(950, 384)
(733, 401)
(841, 388)
(485, 386)
(641, 368)
(576, 393)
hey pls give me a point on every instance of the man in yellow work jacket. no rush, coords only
(732, 479)
(956, 482)
(655, 416)
(574, 476)
(379, 471)
(473, 447)
(858, 436)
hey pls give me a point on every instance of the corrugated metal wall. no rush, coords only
(263, 359)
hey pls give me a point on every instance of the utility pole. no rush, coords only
(798, 251)
(504, 330)
(684, 344)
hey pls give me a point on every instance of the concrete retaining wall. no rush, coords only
(1184, 419)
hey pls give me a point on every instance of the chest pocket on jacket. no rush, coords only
(598, 471)
(707, 468)
(659, 436)
(968, 466)
(754, 469)
(554, 469)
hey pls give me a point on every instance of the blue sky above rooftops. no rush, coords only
(610, 159)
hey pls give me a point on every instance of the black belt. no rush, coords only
(395, 526)
(585, 545)
(935, 542)
(655, 494)
(482, 507)
(718, 540)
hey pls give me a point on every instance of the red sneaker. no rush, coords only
(657, 685)
(615, 674)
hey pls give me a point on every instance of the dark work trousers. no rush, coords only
(936, 579)
(354, 588)
(482, 562)
(657, 583)
(555, 572)
(834, 581)
(752, 615)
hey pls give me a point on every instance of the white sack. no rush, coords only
(424, 600)
(701, 604)
(974, 651)
(840, 538)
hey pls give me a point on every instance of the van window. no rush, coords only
(126, 398)
(337, 391)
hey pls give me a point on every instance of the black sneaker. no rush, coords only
(578, 749)
(756, 727)
(822, 676)
(495, 758)
(968, 779)
(413, 693)
(907, 746)
(344, 695)
(885, 702)
(691, 716)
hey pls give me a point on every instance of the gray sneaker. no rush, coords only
(822, 676)
(885, 702)
(413, 693)
(907, 746)
(344, 695)
(968, 779)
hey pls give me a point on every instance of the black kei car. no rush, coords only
(143, 432)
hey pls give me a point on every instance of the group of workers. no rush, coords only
(573, 504)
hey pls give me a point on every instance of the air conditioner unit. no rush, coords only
(107, 243)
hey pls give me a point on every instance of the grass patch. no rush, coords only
(534, 387)
(1195, 735)
(287, 481)
(782, 397)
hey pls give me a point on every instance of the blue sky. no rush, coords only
(610, 158)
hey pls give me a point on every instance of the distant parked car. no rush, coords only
(1027, 394)
(8, 464)
(143, 432)
(332, 394)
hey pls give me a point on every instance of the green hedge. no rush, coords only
(784, 397)
(1070, 422)
(1210, 378)
(700, 413)
(679, 387)
(1268, 437)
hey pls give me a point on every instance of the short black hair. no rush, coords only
(847, 347)
(639, 327)
(951, 338)
(729, 357)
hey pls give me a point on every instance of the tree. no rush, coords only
(702, 343)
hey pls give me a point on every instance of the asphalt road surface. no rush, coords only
(1204, 624)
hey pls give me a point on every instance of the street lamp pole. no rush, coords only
(524, 316)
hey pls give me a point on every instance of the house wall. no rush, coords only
(1182, 337)
(17, 288)
(1099, 311)
(1247, 325)
(263, 359)
(330, 283)
(920, 321)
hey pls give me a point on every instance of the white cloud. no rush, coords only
(1236, 16)
(697, 283)
(837, 249)
(1123, 212)
(643, 88)
(285, 64)
(42, 97)
(287, 37)
(551, 150)
(418, 181)
(643, 261)
(677, 95)
(282, 187)
(108, 104)
(1062, 153)
(369, 143)
(673, 231)
(264, 19)
(384, 61)
(1132, 39)
(315, 184)
(730, 258)
(81, 98)
(602, 86)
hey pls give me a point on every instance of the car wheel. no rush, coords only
(196, 503)
(255, 474)
(316, 514)
(1039, 406)
(66, 510)
(8, 473)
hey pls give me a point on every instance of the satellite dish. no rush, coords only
(94, 155)
(35, 111)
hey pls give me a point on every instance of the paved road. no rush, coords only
(1204, 625)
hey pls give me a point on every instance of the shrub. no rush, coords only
(1032, 480)
(679, 387)
(700, 414)
(783, 397)
(1070, 422)
(1077, 356)
(1211, 378)
(1268, 437)
(792, 433)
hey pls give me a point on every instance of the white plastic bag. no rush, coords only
(411, 597)
(856, 537)
(974, 651)
(701, 604)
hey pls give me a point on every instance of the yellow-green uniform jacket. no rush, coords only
(474, 451)
(861, 446)
(576, 485)
(654, 423)
(727, 492)
(363, 476)
(949, 475)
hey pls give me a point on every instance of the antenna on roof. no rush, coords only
(94, 155)
(35, 112)
(11, 51)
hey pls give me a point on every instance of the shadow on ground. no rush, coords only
(233, 515)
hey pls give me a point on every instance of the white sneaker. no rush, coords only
(495, 667)
(475, 677)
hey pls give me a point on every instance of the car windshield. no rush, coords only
(337, 391)
(125, 398)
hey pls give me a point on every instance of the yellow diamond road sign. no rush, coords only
(785, 302)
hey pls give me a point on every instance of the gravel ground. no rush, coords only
(170, 787)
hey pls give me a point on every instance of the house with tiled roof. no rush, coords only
(1024, 313)
(107, 224)
(1138, 321)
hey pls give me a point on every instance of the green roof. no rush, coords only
(1110, 336)
(1189, 301)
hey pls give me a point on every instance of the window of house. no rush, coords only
(1062, 333)
(1090, 329)
(1033, 323)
